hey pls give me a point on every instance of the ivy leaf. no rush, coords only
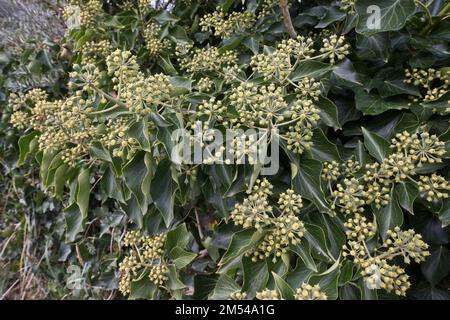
(181, 85)
(163, 190)
(310, 69)
(372, 104)
(165, 17)
(437, 265)
(61, 176)
(283, 288)
(307, 183)
(322, 149)
(137, 174)
(303, 250)
(139, 131)
(25, 144)
(178, 237)
(174, 282)
(407, 194)
(74, 222)
(361, 155)
(225, 286)
(98, 151)
(328, 283)
(377, 146)
(256, 275)
(83, 192)
(388, 217)
(444, 213)
(345, 71)
(318, 242)
(241, 241)
(328, 112)
(393, 15)
(203, 285)
(142, 288)
(133, 211)
(181, 257)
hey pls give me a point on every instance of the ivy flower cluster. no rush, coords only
(141, 94)
(433, 83)
(225, 25)
(93, 52)
(376, 263)
(145, 256)
(153, 41)
(70, 126)
(265, 107)
(281, 230)
(433, 188)
(86, 11)
(206, 59)
(63, 124)
(410, 151)
(238, 296)
(348, 6)
(309, 292)
(281, 62)
(304, 292)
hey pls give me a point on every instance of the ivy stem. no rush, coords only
(441, 14)
(117, 103)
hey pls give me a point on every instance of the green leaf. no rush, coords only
(372, 104)
(283, 287)
(181, 257)
(139, 131)
(310, 69)
(98, 151)
(388, 217)
(328, 112)
(303, 250)
(61, 176)
(203, 285)
(328, 283)
(25, 143)
(345, 72)
(437, 266)
(165, 16)
(178, 237)
(256, 275)
(252, 43)
(181, 85)
(407, 193)
(307, 183)
(318, 242)
(377, 146)
(174, 282)
(393, 15)
(444, 213)
(241, 241)
(83, 192)
(137, 174)
(74, 222)
(322, 149)
(225, 286)
(142, 288)
(361, 155)
(163, 190)
(133, 211)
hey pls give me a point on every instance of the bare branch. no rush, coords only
(287, 19)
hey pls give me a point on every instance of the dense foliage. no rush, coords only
(358, 209)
